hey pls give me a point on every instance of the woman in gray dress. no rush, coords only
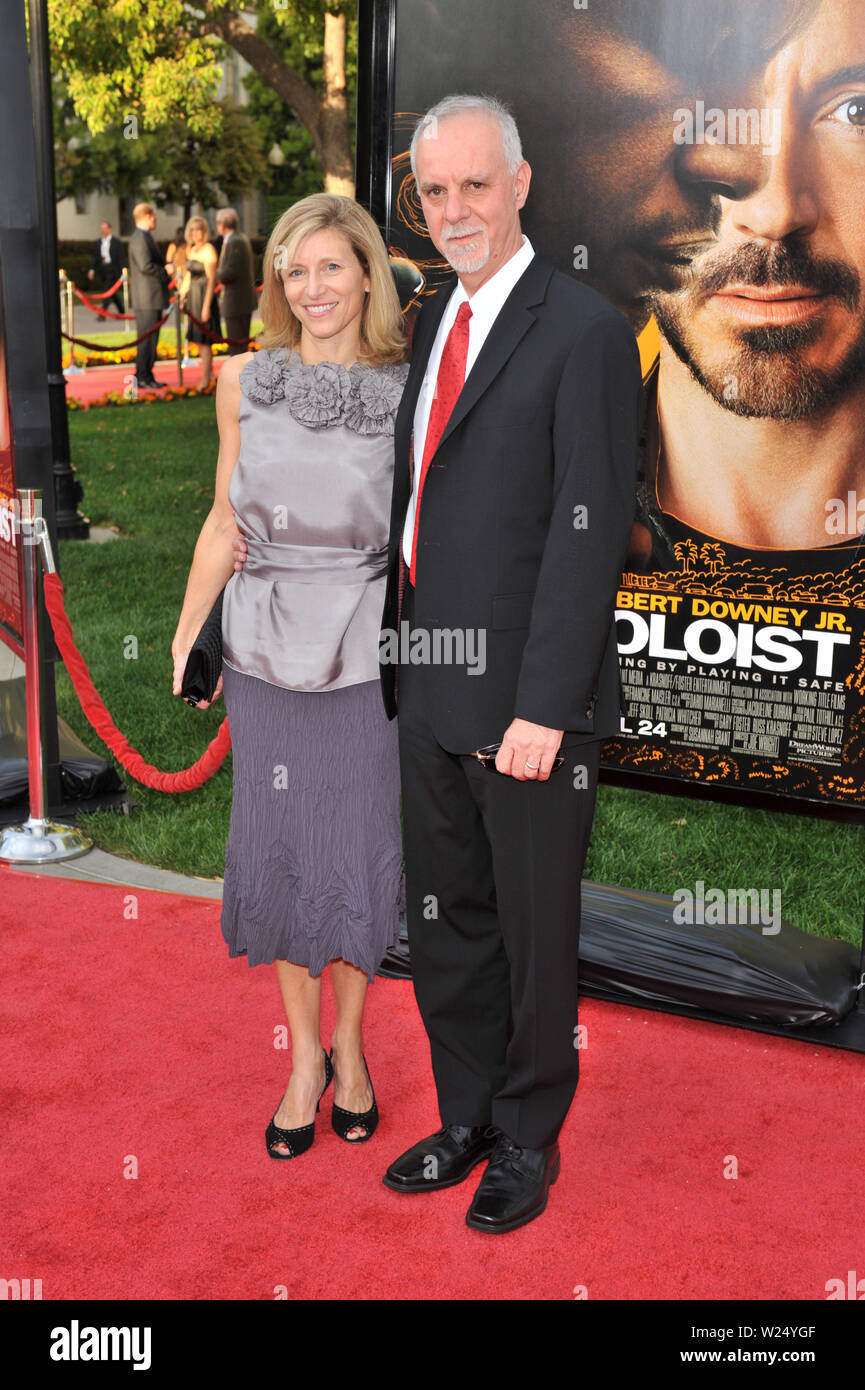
(313, 868)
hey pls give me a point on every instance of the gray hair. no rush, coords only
(228, 217)
(455, 104)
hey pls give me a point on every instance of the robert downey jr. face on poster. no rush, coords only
(616, 178)
(763, 347)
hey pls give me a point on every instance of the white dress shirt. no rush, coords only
(105, 249)
(486, 305)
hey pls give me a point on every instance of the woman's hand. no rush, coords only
(180, 653)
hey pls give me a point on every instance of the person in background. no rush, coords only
(148, 287)
(108, 261)
(175, 256)
(236, 274)
(198, 295)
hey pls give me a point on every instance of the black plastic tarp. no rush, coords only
(83, 775)
(632, 948)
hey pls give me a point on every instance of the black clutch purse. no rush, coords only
(204, 663)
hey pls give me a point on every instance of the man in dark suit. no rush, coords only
(108, 262)
(513, 500)
(236, 273)
(148, 287)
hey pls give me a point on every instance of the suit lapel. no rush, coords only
(512, 323)
(424, 337)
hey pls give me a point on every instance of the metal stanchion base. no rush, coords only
(41, 842)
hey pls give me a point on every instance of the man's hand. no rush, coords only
(239, 548)
(528, 751)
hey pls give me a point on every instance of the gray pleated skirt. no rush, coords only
(313, 864)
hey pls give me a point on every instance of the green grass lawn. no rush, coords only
(149, 469)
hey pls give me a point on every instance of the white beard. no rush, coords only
(466, 261)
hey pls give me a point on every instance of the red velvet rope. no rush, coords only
(97, 309)
(118, 347)
(94, 708)
(235, 342)
(106, 294)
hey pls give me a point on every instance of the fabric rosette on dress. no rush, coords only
(321, 545)
(364, 398)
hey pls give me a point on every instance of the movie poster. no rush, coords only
(11, 620)
(701, 163)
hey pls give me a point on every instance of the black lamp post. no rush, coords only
(71, 525)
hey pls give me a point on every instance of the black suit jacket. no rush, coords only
(235, 269)
(547, 423)
(148, 278)
(115, 253)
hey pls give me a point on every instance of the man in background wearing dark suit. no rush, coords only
(514, 495)
(236, 273)
(148, 286)
(108, 261)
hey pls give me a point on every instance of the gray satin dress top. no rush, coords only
(311, 492)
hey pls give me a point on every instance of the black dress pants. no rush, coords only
(145, 353)
(109, 278)
(493, 872)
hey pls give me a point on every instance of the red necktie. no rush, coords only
(449, 383)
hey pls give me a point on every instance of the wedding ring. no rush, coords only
(534, 766)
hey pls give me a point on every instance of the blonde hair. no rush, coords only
(143, 210)
(196, 222)
(381, 328)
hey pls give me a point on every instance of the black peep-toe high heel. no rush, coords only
(345, 1120)
(297, 1141)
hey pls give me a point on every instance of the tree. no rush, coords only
(172, 163)
(202, 169)
(159, 63)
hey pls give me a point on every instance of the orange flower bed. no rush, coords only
(171, 393)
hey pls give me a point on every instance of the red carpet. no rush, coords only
(139, 1037)
(96, 382)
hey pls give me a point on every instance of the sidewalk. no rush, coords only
(98, 867)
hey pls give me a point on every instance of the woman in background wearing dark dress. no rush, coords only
(313, 871)
(198, 294)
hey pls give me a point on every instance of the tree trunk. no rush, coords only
(335, 145)
(325, 117)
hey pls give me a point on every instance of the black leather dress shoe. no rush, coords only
(514, 1188)
(441, 1160)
